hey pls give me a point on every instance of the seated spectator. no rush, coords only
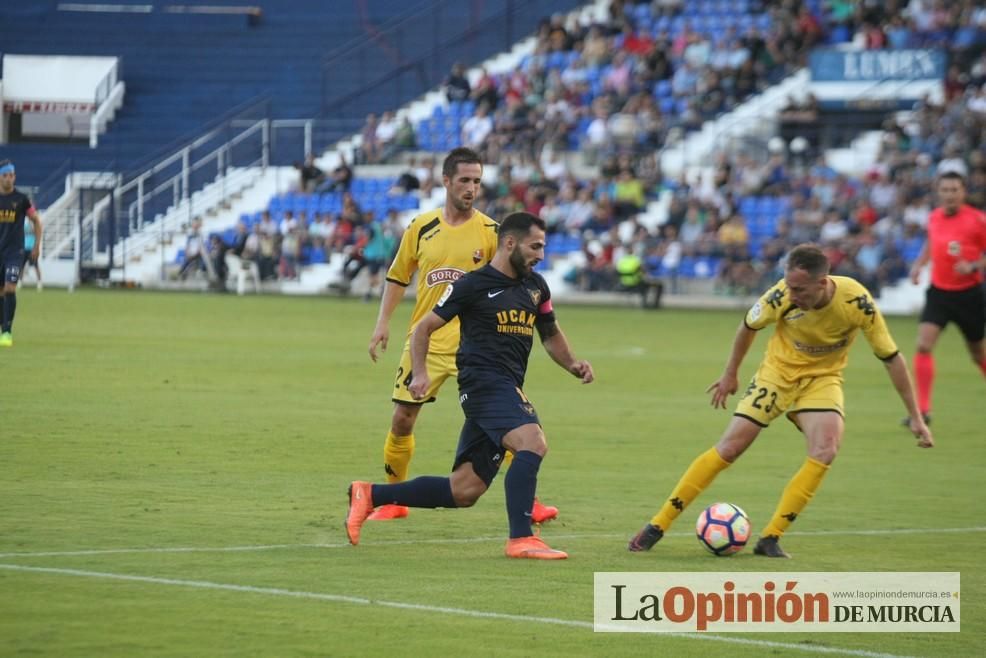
(377, 255)
(267, 256)
(733, 233)
(670, 252)
(633, 278)
(195, 252)
(485, 91)
(628, 194)
(597, 136)
(341, 178)
(244, 256)
(834, 229)
(309, 175)
(290, 254)
(407, 181)
(457, 86)
(637, 41)
(386, 135)
(289, 222)
(320, 231)
(405, 139)
(477, 128)
(369, 152)
(266, 225)
(580, 211)
(219, 269)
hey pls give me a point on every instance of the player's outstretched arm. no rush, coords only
(556, 345)
(728, 382)
(901, 378)
(420, 339)
(392, 295)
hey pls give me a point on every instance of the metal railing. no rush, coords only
(88, 221)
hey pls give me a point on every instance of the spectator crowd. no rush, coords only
(618, 91)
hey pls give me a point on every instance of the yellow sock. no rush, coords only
(698, 476)
(397, 453)
(796, 495)
(507, 458)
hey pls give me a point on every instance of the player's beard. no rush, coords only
(519, 264)
(462, 205)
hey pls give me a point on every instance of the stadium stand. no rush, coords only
(186, 70)
(578, 123)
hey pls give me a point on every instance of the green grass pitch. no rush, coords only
(173, 471)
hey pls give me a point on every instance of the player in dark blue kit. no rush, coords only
(14, 207)
(499, 307)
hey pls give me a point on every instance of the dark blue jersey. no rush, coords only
(13, 210)
(498, 317)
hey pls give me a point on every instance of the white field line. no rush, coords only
(462, 612)
(467, 540)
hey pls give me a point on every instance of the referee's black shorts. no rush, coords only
(966, 308)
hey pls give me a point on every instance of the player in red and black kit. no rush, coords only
(14, 207)
(500, 307)
(956, 248)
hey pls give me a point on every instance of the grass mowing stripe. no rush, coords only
(469, 540)
(342, 598)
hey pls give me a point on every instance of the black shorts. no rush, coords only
(491, 413)
(10, 265)
(966, 308)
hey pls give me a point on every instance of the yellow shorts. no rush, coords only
(769, 395)
(440, 368)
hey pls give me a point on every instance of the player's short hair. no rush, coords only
(518, 224)
(810, 258)
(5, 162)
(952, 175)
(457, 156)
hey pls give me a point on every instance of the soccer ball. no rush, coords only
(723, 528)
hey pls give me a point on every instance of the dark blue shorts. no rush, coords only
(492, 412)
(10, 265)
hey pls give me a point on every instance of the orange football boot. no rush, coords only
(541, 513)
(360, 507)
(532, 548)
(388, 512)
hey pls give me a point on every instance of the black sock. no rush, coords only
(9, 305)
(424, 491)
(519, 487)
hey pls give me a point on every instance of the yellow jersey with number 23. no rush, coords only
(809, 343)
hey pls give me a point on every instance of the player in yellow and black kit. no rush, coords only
(441, 246)
(817, 318)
